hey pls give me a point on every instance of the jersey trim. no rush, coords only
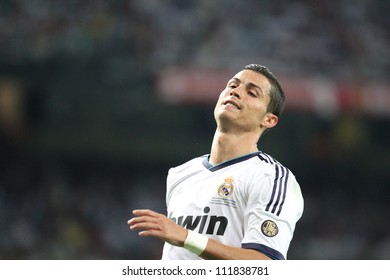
(229, 162)
(269, 252)
(280, 185)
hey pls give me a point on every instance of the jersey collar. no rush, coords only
(226, 163)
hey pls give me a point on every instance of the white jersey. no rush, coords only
(251, 202)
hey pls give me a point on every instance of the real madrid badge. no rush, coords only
(226, 188)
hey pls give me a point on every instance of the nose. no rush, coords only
(235, 93)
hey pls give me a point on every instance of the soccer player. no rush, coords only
(237, 202)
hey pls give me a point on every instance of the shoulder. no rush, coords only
(180, 173)
(197, 161)
(183, 171)
(286, 192)
(274, 166)
(266, 158)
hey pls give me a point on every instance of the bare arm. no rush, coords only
(157, 225)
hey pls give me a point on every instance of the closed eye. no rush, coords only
(233, 83)
(252, 94)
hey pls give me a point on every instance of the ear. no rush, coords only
(269, 120)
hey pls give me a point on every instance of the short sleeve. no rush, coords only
(275, 204)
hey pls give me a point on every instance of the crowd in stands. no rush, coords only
(291, 37)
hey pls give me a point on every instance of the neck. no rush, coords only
(227, 146)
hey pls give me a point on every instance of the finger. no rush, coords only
(141, 219)
(151, 233)
(145, 212)
(145, 226)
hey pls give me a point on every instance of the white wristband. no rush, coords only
(195, 242)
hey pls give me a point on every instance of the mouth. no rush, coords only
(231, 103)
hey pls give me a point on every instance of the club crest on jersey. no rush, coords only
(269, 228)
(226, 188)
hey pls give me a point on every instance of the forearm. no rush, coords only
(211, 249)
(218, 251)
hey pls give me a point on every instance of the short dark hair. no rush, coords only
(276, 105)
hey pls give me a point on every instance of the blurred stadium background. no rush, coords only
(99, 98)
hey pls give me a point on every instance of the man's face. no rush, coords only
(243, 103)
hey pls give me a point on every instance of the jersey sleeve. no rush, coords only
(274, 205)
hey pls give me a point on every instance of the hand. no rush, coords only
(157, 225)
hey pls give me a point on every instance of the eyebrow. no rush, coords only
(251, 85)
